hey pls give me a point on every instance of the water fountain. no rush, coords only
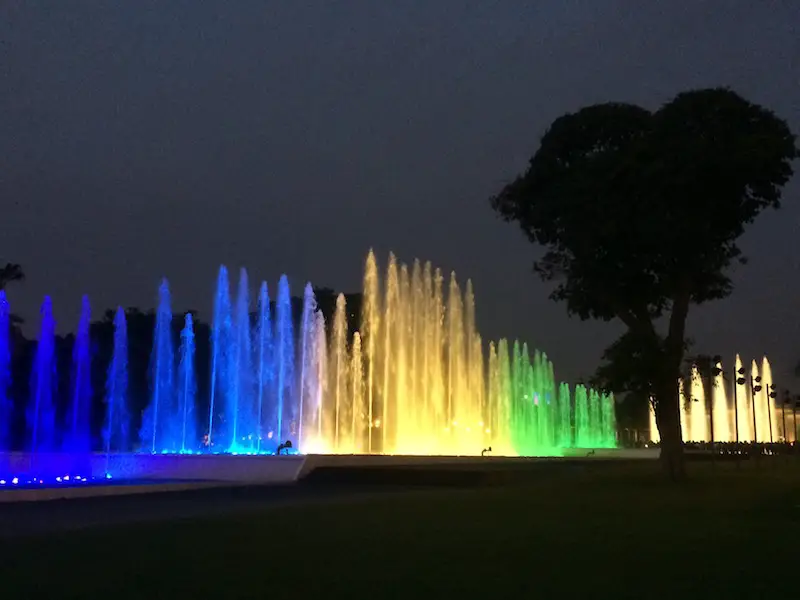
(78, 437)
(282, 423)
(6, 405)
(161, 422)
(720, 409)
(116, 431)
(414, 378)
(41, 413)
(421, 386)
(187, 388)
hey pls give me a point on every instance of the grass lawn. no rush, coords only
(605, 533)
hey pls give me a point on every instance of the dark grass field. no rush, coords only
(612, 532)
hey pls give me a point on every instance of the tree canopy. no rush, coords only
(640, 213)
(9, 274)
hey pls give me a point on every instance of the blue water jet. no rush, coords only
(187, 388)
(116, 431)
(220, 347)
(284, 362)
(159, 432)
(77, 440)
(41, 413)
(5, 373)
(264, 371)
(242, 409)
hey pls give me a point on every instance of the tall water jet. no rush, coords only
(564, 417)
(116, 430)
(370, 325)
(41, 414)
(769, 430)
(5, 373)
(159, 432)
(721, 415)
(315, 441)
(455, 358)
(284, 362)
(338, 417)
(358, 409)
(187, 388)
(696, 402)
(595, 418)
(744, 410)
(264, 370)
(77, 440)
(308, 397)
(711, 410)
(221, 328)
(582, 434)
(241, 409)
(391, 300)
(609, 419)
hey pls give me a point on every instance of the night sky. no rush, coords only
(144, 139)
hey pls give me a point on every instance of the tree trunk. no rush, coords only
(669, 428)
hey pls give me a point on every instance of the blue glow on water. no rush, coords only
(6, 406)
(187, 387)
(41, 413)
(116, 431)
(77, 440)
(159, 422)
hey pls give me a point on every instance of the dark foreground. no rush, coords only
(611, 532)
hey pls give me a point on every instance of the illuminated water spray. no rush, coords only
(718, 408)
(307, 394)
(78, 436)
(116, 430)
(413, 379)
(41, 413)
(220, 348)
(6, 405)
(264, 373)
(284, 362)
(160, 422)
(241, 408)
(187, 388)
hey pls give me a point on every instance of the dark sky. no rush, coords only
(141, 139)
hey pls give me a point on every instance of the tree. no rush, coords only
(640, 213)
(9, 274)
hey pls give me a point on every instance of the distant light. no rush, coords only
(269, 435)
(488, 431)
(15, 481)
(2, 481)
(66, 477)
(58, 479)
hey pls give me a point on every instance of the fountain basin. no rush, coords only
(240, 468)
